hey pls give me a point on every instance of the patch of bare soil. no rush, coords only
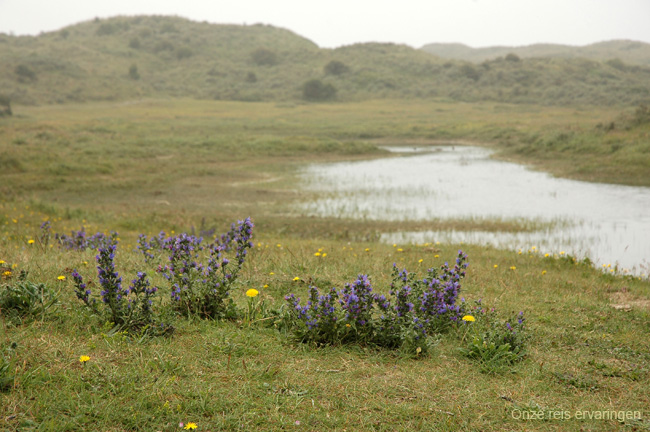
(627, 301)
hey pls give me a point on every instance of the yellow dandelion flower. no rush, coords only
(394, 244)
(265, 286)
(61, 278)
(436, 256)
(2, 261)
(367, 249)
(324, 254)
(546, 255)
(513, 268)
(317, 254)
(271, 274)
(420, 260)
(190, 426)
(296, 279)
(496, 266)
(562, 253)
(83, 359)
(400, 250)
(469, 318)
(30, 241)
(6, 273)
(347, 325)
(252, 292)
(543, 272)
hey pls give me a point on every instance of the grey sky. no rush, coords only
(334, 23)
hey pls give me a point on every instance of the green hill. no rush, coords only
(122, 58)
(125, 58)
(632, 52)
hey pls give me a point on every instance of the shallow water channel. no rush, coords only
(610, 224)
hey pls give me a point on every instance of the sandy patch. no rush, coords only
(627, 301)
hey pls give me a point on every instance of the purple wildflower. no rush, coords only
(356, 300)
(111, 282)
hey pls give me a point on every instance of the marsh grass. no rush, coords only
(143, 168)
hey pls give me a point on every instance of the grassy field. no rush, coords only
(181, 165)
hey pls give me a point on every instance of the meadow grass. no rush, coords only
(184, 165)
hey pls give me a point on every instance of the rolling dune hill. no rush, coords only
(125, 58)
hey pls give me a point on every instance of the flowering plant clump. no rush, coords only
(147, 247)
(160, 242)
(201, 276)
(45, 233)
(78, 240)
(415, 310)
(495, 343)
(319, 321)
(436, 296)
(226, 240)
(81, 290)
(131, 309)
(184, 268)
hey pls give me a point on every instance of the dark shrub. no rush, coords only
(133, 72)
(25, 73)
(183, 53)
(336, 67)
(5, 106)
(264, 57)
(512, 58)
(316, 90)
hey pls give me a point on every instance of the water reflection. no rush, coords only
(610, 224)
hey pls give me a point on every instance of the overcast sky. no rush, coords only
(333, 23)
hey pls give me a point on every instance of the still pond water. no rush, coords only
(610, 224)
